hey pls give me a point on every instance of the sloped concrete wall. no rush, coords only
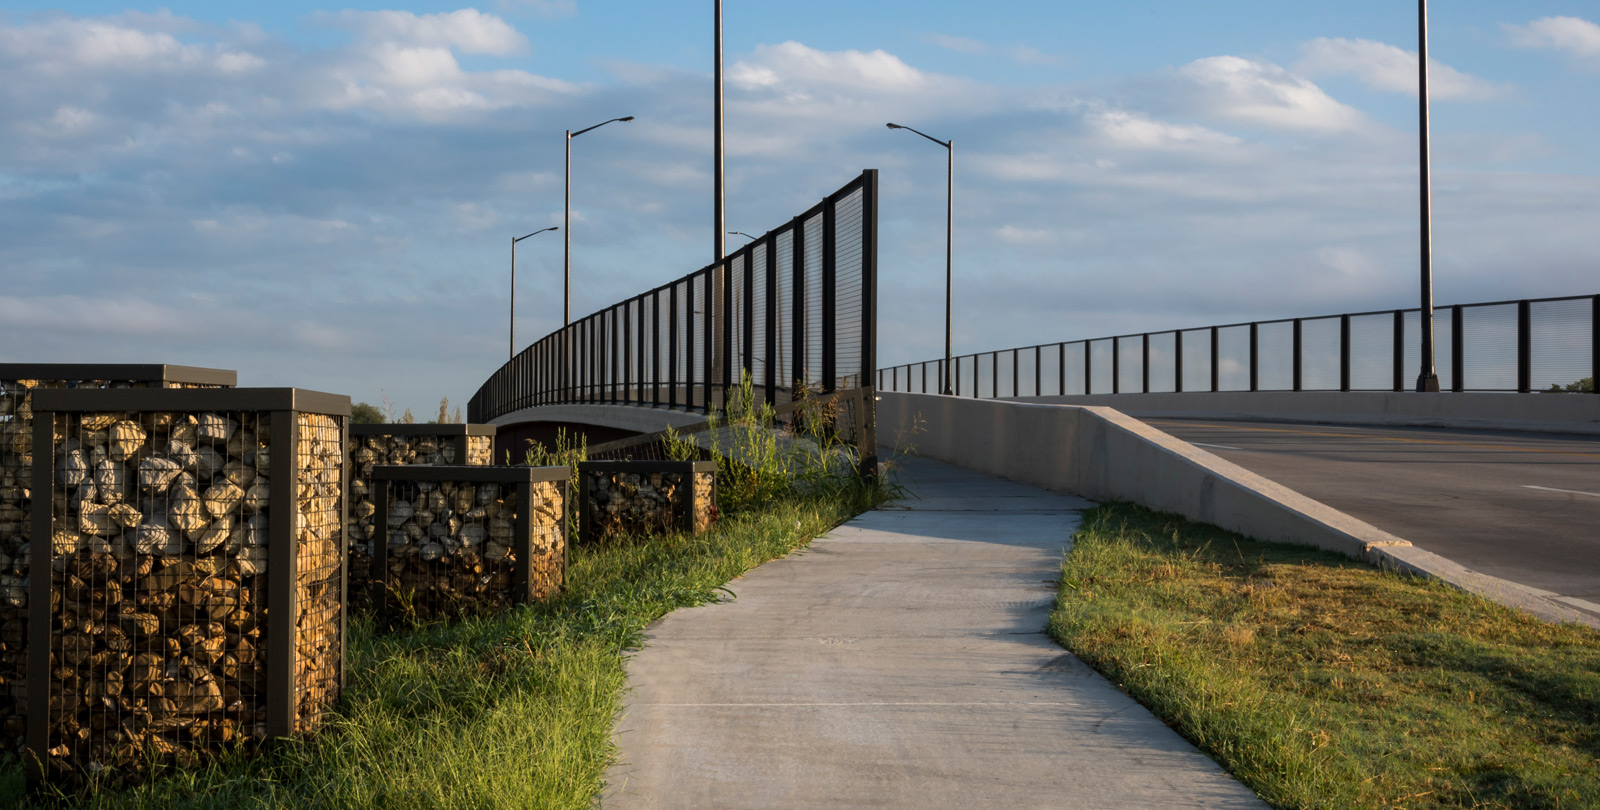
(1102, 454)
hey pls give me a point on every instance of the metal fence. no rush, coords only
(1540, 344)
(794, 310)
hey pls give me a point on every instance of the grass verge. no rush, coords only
(508, 711)
(1322, 682)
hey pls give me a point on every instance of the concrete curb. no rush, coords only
(1103, 454)
(1413, 560)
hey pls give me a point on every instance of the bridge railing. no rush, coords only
(794, 311)
(1529, 345)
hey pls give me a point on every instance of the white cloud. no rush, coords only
(958, 44)
(1029, 55)
(1263, 94)
(1390, 68)
(1132, 129)
(1575, 36)
(1032, 237)
(467, 30)
(793, 63)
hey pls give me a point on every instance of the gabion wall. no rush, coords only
(621, 499)
(399, 444)
(195, 589)
(17, 382)
(467, 539)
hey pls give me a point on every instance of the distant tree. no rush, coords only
(408, 419)
(1583, 386)
(455, 416)
(365, 413)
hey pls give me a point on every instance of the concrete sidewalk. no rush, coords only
(900, 662)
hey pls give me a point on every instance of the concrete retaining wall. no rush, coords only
(1551, 413)
(1102, 454)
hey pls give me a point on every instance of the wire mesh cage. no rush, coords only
(399, 444)
(18, 381)
(633, 499)
(194, 592)
(461, 540)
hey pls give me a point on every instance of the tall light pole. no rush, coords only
(949, 244)
(1428, 377)
(566, 309)
(721, 247)
(514, 240)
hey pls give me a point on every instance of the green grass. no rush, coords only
(1322, 682)
(509, 711)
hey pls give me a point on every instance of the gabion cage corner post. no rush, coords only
(17, 382)
(191, 588)
(636, 498)
(456, 539)
(400, 444)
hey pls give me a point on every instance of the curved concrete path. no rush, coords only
(899, 662)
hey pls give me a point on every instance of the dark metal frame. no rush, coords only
(282, 559)
(385, 475)
(120, 372)
(684, 467)
(1525, 353)
(565, 366)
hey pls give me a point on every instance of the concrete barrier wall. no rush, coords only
(1102, 454)
(1560, 413)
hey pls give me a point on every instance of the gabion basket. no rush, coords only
(190, 595)
(18, 381)
(619, 499)
(467, 539)
(397, 444)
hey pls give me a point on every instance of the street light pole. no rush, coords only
(512, 351)
(949, 246)
(721, 247)
(1428, 377)
(566, 307)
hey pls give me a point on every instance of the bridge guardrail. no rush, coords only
(1541, 344)
(795, 310)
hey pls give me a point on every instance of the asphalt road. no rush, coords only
(1520, 506)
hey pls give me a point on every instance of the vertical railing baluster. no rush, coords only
(1296, 348)
(1524, 346)
(771, 349)
(1344, 352)
(1458, 363)
(1177, 361)
(1399, 350)
(1144, 370)
(797, 286)
(830, 381)
(1088, 375)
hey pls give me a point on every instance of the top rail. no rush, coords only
(1535, 344)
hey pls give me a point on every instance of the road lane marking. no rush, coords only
(1221, 446)
(1506, 447)
(1568, 491)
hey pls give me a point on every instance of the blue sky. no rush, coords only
(321, 195)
